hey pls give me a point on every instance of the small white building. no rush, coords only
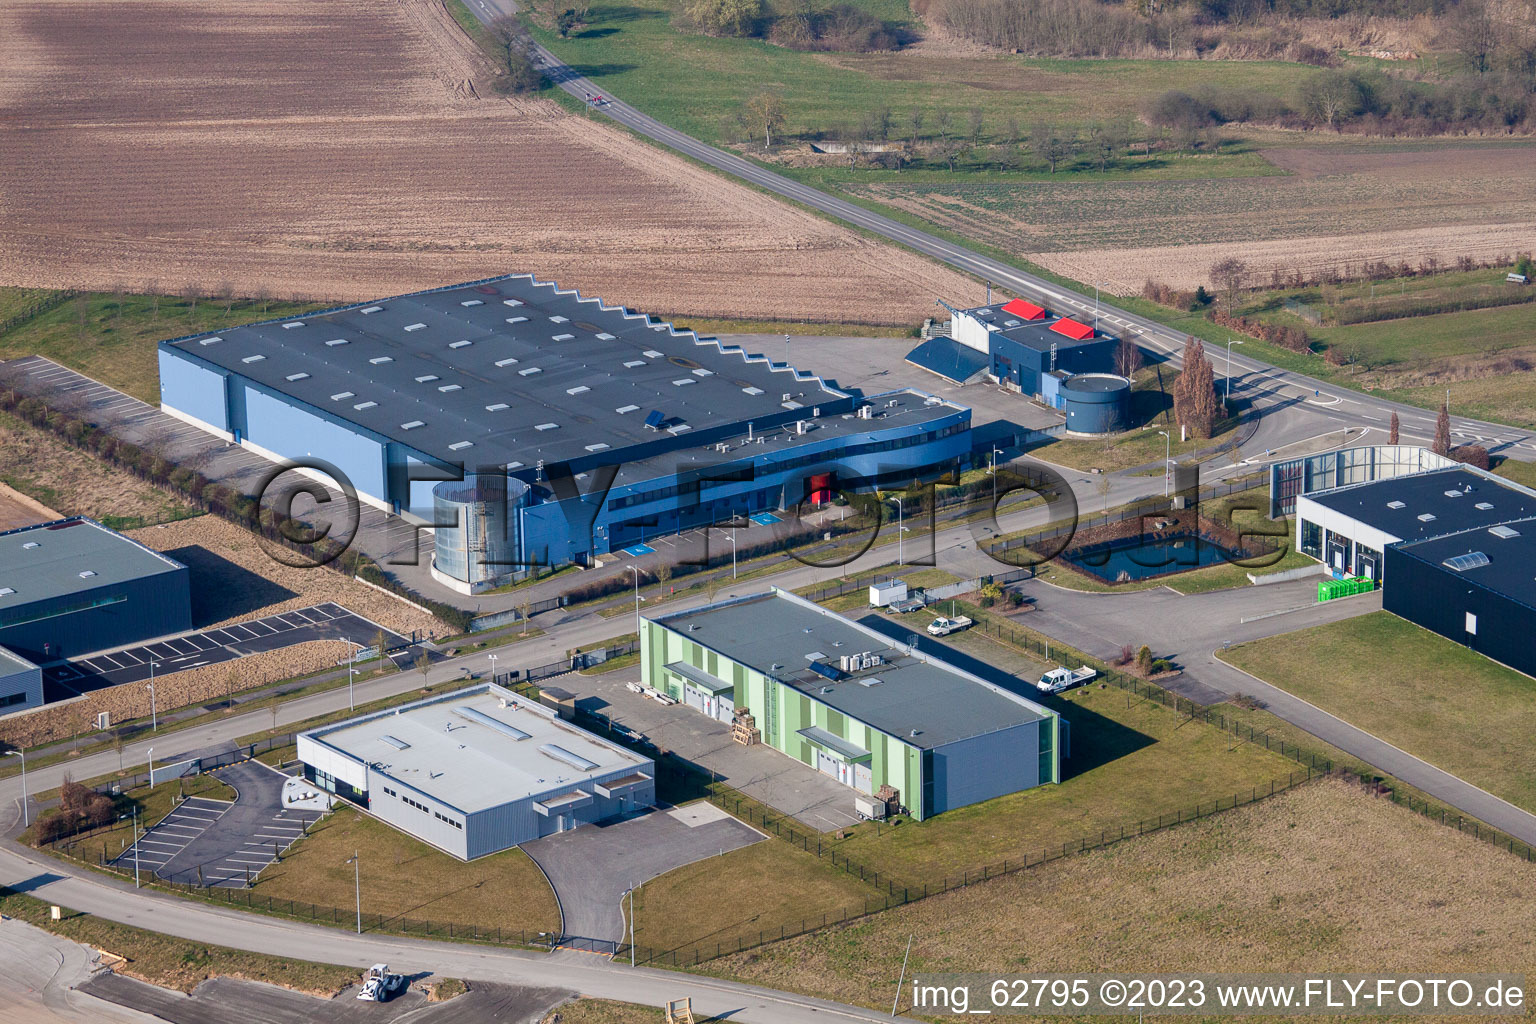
(476, 771)
(887, 592)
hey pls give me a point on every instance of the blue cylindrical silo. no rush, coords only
(1097, 403)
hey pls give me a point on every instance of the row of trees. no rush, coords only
(806, 25)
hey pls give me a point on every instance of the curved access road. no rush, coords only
(1325, 400)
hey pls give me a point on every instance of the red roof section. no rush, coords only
(1025, 310)
(1072, 329)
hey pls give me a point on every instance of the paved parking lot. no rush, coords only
(218, 843)
(160, 845)
(328, 621)
(591, 867)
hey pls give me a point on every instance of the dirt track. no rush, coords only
(340, 150)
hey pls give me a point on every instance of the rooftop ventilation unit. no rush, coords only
(29, 545)
(209, 341)
(1397, 504)
(866, 412)
(291, 326)
(516, 319)
(381, 360)
(481, 718)
(7, 591)
(752, 391)
(427, 378)
(336, 341)
(360, 406)
(1453, 493)
(86, 574)
(559, 753)
(1504, 532)
(546, 426)
(446, 388)
(509, 361)
(529, 371)
(511, 302)
(342, 396)
(253, 359)
(577, 390)
(632, 363)
(461, 343)
(1470, 560)
(651, 353)
(297, 376)
(412, 425)
(605, 336)
(1486, 506)
(473, 302)
(557, 319)
(561, 337)
(460, 445)
(625, 409)
(497, 407)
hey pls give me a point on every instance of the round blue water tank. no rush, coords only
(1097, 403)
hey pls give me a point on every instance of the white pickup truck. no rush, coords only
(943, 625)
(1058, 680)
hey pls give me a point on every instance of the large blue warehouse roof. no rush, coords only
(1454, 499)
(508, 371)
(55, 559)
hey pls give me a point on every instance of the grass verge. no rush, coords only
(1433, 698)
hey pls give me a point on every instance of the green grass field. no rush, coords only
(1433, 698)
(113, 337)
(699, 84)
(403, 877)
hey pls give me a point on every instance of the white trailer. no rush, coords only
(887, 592)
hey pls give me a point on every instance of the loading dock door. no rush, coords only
(826, 763)
(724, 707)
(862, 780)
(696, 699)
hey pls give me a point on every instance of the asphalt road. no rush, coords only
(1339, 404)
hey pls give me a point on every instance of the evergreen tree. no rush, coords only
(1443, 431)
(1393, 430)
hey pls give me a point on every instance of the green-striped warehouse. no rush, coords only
(852, 703)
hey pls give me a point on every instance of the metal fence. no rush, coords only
(574, 663)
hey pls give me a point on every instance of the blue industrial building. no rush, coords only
(73, 586)
(1061, 361)
(21, 683)
(534, 427)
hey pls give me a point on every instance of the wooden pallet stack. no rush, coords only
(744, 728)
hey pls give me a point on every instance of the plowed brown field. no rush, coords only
(343, 150)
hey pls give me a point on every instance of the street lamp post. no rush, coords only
(638, 599)
(1167, 458)
(135, 844)
(150, 756)
(900, 529)
(993, 471)
(351, 672)
(154, 715)
(357, 886)
(1230, 343)
(25, 820)
(492, 657)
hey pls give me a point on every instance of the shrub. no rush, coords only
(725, 17)
(1015, 598)
(1162, 665)
(987, 600)
(1144, 660)
(1471, 455)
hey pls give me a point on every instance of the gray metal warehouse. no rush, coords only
(21, 683)
(476, 771)
(73, 586)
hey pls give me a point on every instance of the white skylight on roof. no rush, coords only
(412, 425)
(427, 378)
(684, 380)
(1452, 493)
(546, 426)
(679, 428)
(562, 337)
(1504, 532)
(557, 319)
(86, 574)
(415, 327)
(1470, 560)
(651, 353)
(380, 360)
(701, 372)
(753, 391)
(497, 407)
(473, 302)
(340, 395)
(621, 410)
(451, 387)
(1485, 505)
(373, 309)
(1397, 504)
(600, 446)
(1426, 517)
(292, 325)
(461, 343)
(297, 376)
(505, 362)
(577, 390)
(634, 363)
(605, 336)
(336, 341)
(253, 359)
(6, 591)
(511, 302)
(529, 371)
(29, 545)
(209, 341)
(516, 319)
(514, 465)
(460, 445)
(364, 405)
